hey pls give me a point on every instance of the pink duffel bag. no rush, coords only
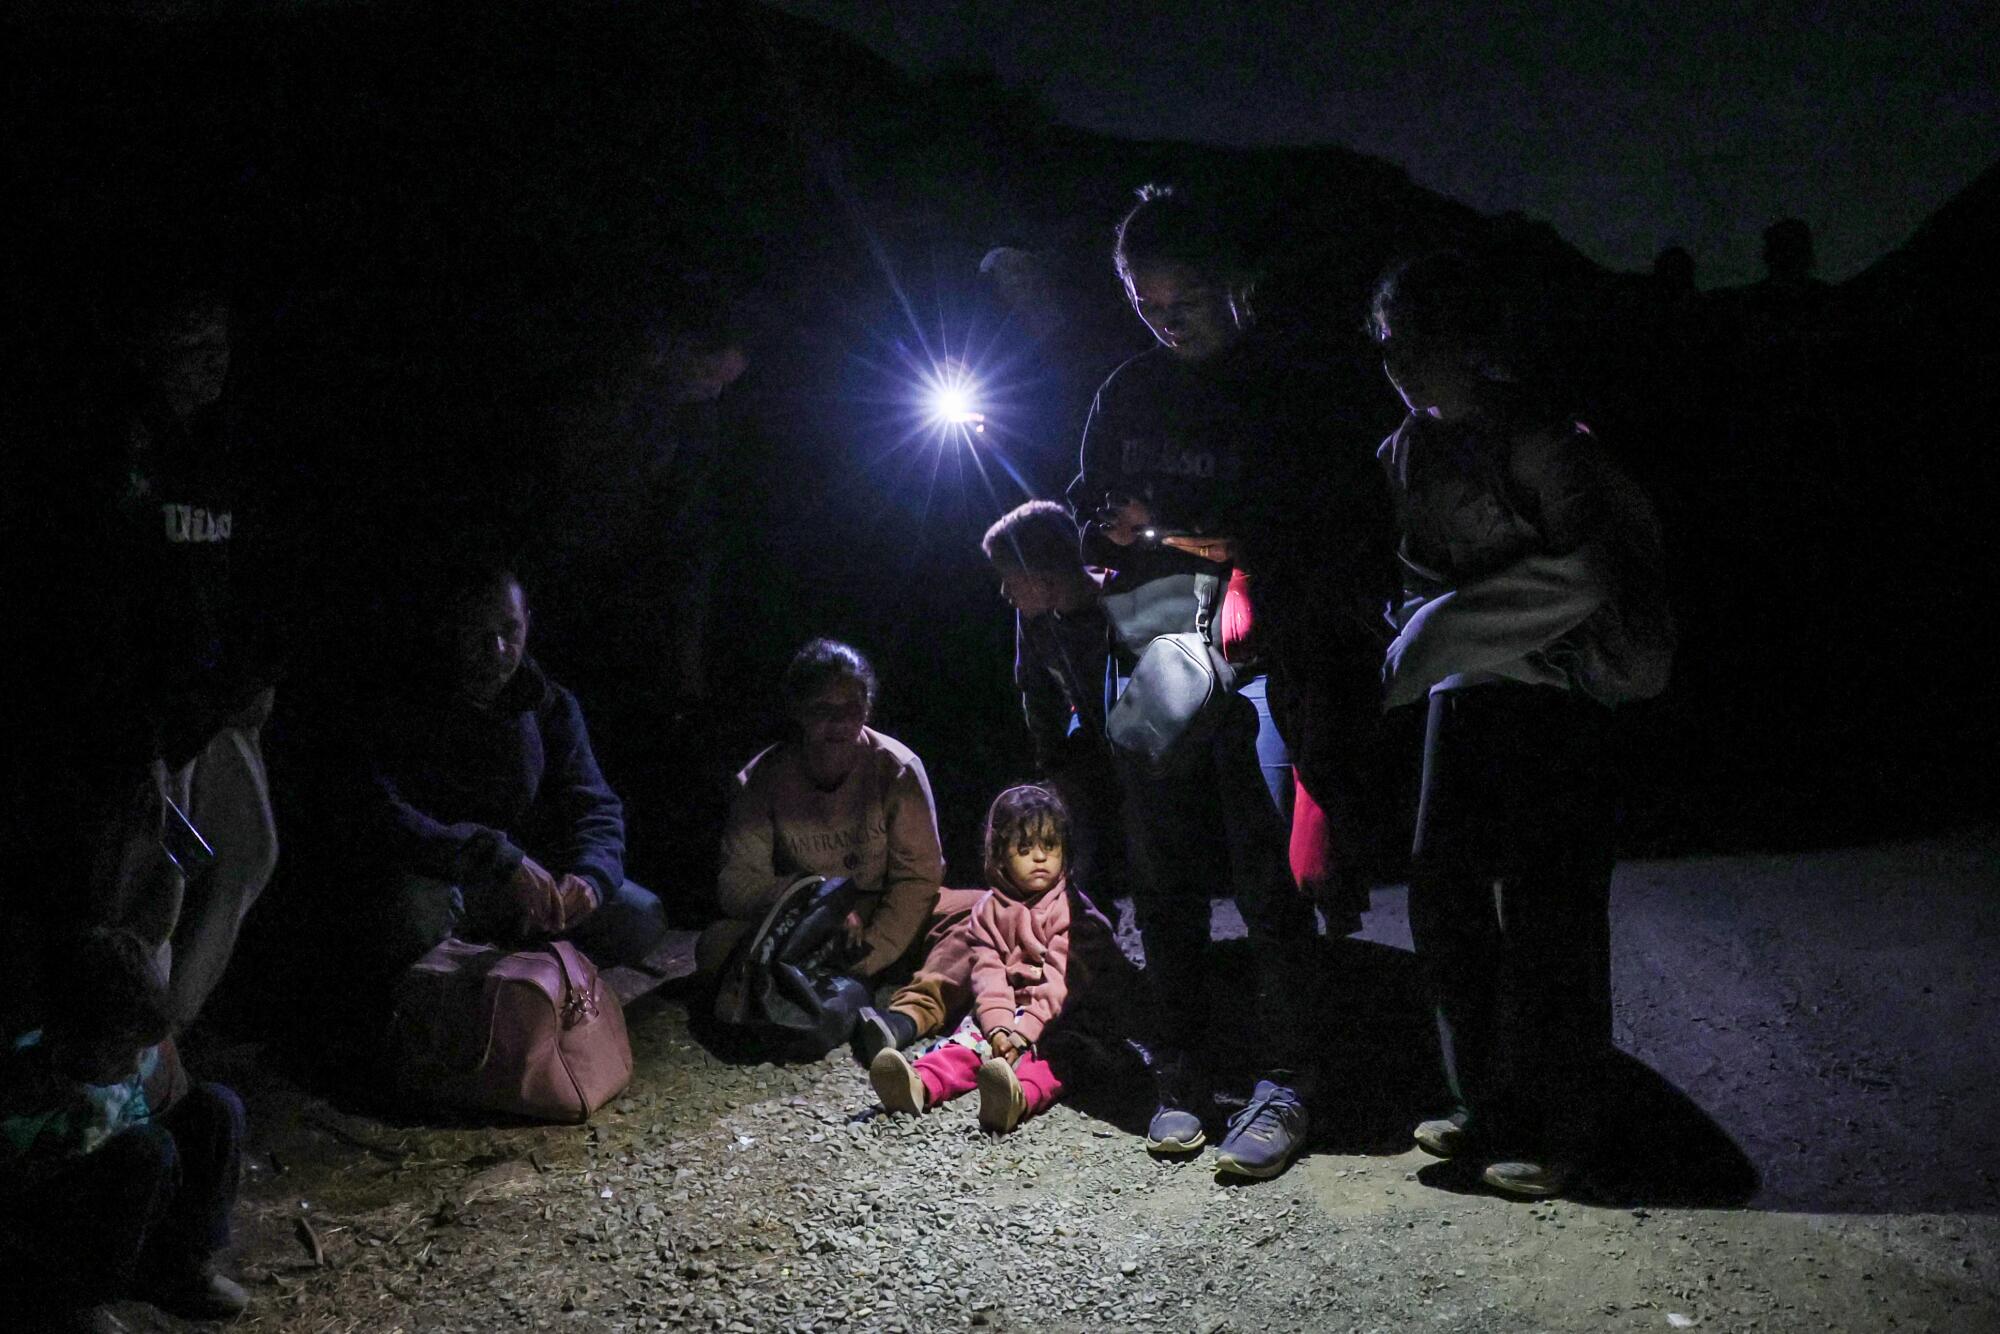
(531, 1032)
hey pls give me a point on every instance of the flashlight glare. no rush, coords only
(953, 404)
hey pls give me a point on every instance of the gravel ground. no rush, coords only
(1823, 1013)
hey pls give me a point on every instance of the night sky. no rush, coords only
(1628, 126)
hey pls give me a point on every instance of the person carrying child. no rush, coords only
(1038, 948)
(116, 1177)
(1533, 601)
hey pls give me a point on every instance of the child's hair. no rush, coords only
(821, 663)
(1025, 814)
(105, 988)
(1166, 227)
(1036, 538)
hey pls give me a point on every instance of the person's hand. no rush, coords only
(853, 928)
(1121, 521)
(1221, 550)
(1006, 1044)
(578, 899)
(536, 898)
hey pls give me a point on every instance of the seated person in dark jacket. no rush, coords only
(486, 812)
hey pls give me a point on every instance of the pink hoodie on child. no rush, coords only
(1020, 960)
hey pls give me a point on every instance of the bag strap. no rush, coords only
(1207, 602)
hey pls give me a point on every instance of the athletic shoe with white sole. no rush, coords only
(1264, 1137)
(1443, 1136)
(1526, 1180)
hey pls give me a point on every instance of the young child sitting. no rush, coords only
(116, 1179)
(1060, 642)
(1030, 938)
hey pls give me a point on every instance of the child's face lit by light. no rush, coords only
(1034, 867)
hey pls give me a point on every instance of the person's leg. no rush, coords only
(1171, 904)
(1277, 918)
(947, 1071)
(1453, 919)
(1555, 918)
(1557, 985)
(1274, 756)
(1039, 1083)
(229, 797)
(418, 912)
(207, 1126)
(943, 986)
(75, 1238)
(623, 929)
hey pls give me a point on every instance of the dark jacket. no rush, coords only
(1059, 670)
(462, 793)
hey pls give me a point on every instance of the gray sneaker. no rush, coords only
(1526, 1179)
(1265, 1136)
(1175, 1129)
(1444, 1136)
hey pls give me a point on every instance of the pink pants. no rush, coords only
(953, 1068)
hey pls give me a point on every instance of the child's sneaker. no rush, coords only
(877, 1031)
(1002, 1103)
(897, 1082)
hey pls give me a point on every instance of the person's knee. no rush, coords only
(217, 1111)
(419, 913)
(712, 948)
(625, 927)
(143, 1160)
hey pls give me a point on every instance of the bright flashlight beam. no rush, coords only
(953, 404)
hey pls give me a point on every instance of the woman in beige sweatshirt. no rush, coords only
(836, 799)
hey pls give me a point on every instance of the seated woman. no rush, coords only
(836, 799)
(483, 809)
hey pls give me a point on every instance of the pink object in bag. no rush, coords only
(531, 1033)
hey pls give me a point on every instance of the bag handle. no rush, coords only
(579, 1002)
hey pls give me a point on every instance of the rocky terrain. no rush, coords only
(1829, 1167)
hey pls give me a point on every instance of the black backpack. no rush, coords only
(782, 990)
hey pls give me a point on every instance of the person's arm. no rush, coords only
(1584, 503)
(749, 845)
(1489, 623)
(590, 815)
(409, 838)
(914, 872)
(1043, 1001)
(1044, 705)
(992, 993)
(1094, 479)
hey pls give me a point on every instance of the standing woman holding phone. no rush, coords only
(1193, 467)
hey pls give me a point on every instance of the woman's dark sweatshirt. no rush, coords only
(1263, 444)
(461, 792)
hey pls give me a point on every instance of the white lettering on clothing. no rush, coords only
(192, 523)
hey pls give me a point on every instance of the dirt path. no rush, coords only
(1826, 1017)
